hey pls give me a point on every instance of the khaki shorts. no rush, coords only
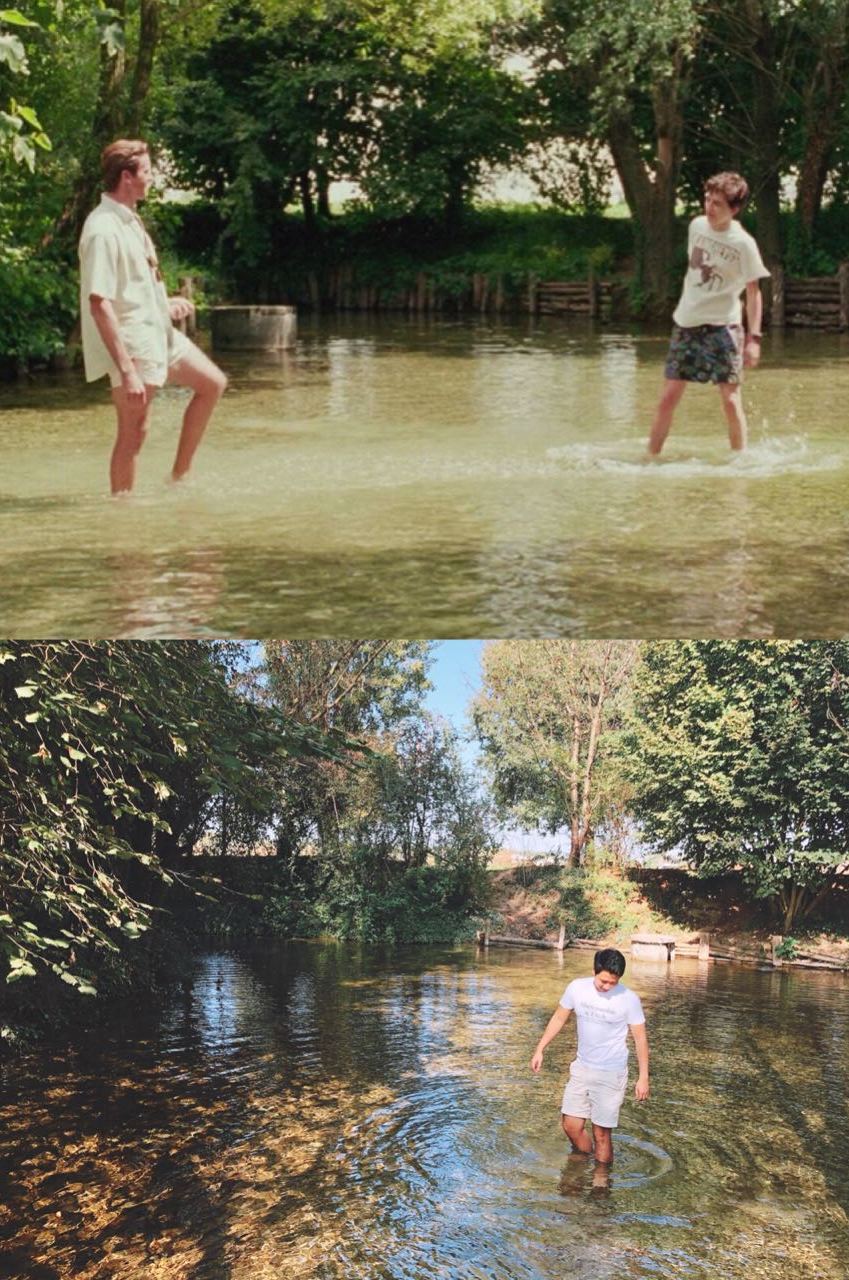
(595, 1095)
(156, 375)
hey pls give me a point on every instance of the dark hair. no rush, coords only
(610, 960)
(123, 154)
(731, 186)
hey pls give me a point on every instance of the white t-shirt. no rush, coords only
(719, 266)
(118, 262)
(603, 1021)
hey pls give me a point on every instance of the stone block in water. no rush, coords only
(256, 328)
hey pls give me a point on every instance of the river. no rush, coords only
(322, 1111)
(444, 478)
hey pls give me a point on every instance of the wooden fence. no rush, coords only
(478, 293)
(818, 302)
(700, 947)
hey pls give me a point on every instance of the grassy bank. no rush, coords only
(535, 899)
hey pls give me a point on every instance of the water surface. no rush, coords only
(318, 1111)
(439, 478)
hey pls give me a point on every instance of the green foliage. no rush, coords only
(546, 717)
(594, 904)
(415, 904)
(38, 304)
(21, 131)
(739, 756)
(787, 948)
(110, 757)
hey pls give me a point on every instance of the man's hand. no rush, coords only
(180, 309)
(641, 1088)
(751, 353)
(536, 1060)
(132, 385)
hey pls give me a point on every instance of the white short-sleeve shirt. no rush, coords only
(603, 1020)
(118, 262)
(719, 266)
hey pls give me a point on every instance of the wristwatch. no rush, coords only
(755, 337)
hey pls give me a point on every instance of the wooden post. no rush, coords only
(843, 280)
(776, 309)
(592, 295)
(532, 294)
(187, 290)
(561, 941)
(775, 942)
(315, 292)
(499, 294)
(704, 946)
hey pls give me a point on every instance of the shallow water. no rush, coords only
(318, 1111)
(440, 478)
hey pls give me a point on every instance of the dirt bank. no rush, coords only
(531, 901)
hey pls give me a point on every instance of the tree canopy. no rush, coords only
(739, 758)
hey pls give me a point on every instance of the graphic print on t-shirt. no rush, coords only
(708, 256)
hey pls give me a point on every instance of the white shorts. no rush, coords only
(595, 1095)
(156, 375)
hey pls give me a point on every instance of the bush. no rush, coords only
(416, 904)
(38, 305)
(594, 904)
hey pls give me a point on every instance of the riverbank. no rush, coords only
(533, 901)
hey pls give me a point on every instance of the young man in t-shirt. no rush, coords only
(606, 1011)
(708, 343)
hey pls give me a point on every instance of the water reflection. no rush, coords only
(317, 1111)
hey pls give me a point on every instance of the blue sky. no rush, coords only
(456, 676)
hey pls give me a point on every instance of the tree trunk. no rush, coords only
(821, 117)
(575, 841)
(650, 194)
(307, 203)
(766, 120)
(149, 15)
(322, 182)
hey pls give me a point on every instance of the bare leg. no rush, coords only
(574, 1128)
(133, 413)
(732, 403)
(603, 1141)
(196, 371)
(668, 403)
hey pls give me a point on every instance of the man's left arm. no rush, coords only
(754, 316)
(641, 1044)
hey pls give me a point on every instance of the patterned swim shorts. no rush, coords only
(706, 353)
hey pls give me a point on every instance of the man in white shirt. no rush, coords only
(707, 338)
(605, 1011)
(128, 320)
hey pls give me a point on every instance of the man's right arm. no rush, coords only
(556, 1023)
(103, 314)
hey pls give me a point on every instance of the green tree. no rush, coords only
(546, 717)
(436, 132)
(359, 688)
(620, 74)
(739, 758)
(406, 855)
(109, 752)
